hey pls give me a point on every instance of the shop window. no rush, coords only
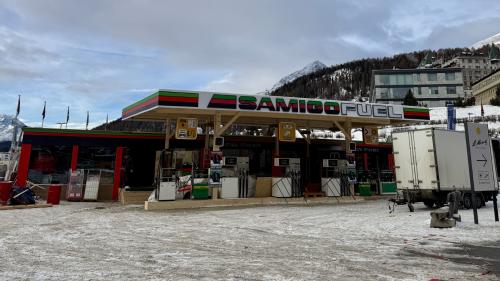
(49, 164)
(96, 157)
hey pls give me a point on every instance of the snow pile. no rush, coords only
(441, 113)
(495, 39)
(308, 69)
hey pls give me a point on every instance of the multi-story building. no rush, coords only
(485, 89)
(473, 68)
(432, 87)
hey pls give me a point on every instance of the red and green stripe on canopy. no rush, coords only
(416, 113)
(168, 98)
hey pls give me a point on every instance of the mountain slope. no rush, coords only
(352, 80)
(495, 39)
(310, 68)
(6, 127)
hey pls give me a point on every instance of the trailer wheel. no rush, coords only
(467, 201)
(429, 203)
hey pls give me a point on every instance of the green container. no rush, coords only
(389, 187)
(365, 189)
(200, 192)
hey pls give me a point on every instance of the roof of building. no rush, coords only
(269, 110)
(485, 77)
(417, 70)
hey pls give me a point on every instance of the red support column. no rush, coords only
(117, 175)
(74, 157)
(24, 165)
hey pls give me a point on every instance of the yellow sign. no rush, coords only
(287, 131)
(370, 135)
(186, 129)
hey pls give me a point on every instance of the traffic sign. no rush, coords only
(480, 158)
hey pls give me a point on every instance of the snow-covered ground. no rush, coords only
(362, 241)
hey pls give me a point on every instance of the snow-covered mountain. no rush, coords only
(495, 39)
(310, 68)
(6, 127)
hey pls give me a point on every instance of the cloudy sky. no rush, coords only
(103, 55)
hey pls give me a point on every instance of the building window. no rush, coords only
(419, 90)
(432, 76)
(417, 77)
(433, 90)
(451, 90)
(384, 93)
(450, 75)
(469, 60)
(384, 79)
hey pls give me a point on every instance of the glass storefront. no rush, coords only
(49, 164)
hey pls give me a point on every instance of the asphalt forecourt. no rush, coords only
(361, 241)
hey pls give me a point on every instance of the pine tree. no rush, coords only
(409, 99)
(496, 100)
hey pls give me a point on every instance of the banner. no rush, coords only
(452, 120)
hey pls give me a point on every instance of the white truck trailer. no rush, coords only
(430, 163)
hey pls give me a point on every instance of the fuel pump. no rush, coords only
(332, 172)
(165, 179)
(235, 177)
(286, 181)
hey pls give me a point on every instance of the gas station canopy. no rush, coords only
(269, 110)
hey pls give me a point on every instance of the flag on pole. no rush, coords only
(67, 116)
(482, 109)
(87, 124)
(43, 112)
(18, 105)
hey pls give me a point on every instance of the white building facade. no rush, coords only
(432, 87)
(473, 68)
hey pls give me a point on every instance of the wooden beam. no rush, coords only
(217, 123)
(337, 124)
(306, 138)
(220, 131)
(167, 134)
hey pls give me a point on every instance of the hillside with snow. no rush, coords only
(308, 69)
(495, 39)
(6, 127)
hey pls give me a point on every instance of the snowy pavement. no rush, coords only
(362, 241)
